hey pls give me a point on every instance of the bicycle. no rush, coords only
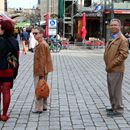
(55, 47)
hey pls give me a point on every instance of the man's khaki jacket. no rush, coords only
(115, 54)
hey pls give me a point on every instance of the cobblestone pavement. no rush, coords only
(78, 95)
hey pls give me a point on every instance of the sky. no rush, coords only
(22, 3)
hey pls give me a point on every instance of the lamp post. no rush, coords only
(64, 19)
(48, 6)
(5, 2)
(33, 18)
(72, 13)
(38, 16)
(112, 10)
(104, 18)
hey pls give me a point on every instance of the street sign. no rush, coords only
(52, 23)
(52, 31)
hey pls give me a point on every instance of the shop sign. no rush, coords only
(118, 11)
(98, 14)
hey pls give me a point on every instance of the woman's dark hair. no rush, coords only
(7, 26)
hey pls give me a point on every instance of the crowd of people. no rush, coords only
(9, 62)
(27, 38)
(58, 39)
(29, 42)
(116, 51)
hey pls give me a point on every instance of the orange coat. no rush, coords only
(115, 54)
(42, 60)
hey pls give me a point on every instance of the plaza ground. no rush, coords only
(78, 94)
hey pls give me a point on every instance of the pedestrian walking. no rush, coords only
(32, 41)
(42, 65)
(116, 52)
(8, 70)
(25, 37)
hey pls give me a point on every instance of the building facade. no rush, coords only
(67, 9)
(94, 14)
(69, 16)
(101, 12)
(2, 7)
(121, 10)
(48, 6)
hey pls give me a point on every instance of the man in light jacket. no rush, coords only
(116, 52)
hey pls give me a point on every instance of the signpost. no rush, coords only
(52, 24)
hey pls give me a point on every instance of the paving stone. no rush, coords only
(125, 128)
(90, 128)
(78, 96)
(19, 128)
(111, 126)
(7, 128)
(43, 128)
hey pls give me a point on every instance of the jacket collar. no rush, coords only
(112, 42)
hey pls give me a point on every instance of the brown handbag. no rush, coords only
(42, 89)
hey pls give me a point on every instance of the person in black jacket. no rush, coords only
(8, 71)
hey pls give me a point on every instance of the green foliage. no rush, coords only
(54, 16)
(22, 24)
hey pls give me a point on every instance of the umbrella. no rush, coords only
(46, 17)
(83, 31)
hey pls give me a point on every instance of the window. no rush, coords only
(119, 1)
(87, 3)
(39, 2)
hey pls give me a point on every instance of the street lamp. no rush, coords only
(72, 13)
(38, 16)
(112, 10)
(5, 2)
(33, 17)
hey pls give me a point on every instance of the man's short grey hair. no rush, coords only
(117, 20)
(40, 29)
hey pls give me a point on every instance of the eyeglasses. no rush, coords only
(35, 33)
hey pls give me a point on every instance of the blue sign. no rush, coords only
(52, 23)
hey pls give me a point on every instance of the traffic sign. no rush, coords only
(52, 23)
(52, 31)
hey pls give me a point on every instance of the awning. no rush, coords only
(118, 12)
(88, 14)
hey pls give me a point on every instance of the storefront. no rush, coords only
(94, 23)
(123, 15)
